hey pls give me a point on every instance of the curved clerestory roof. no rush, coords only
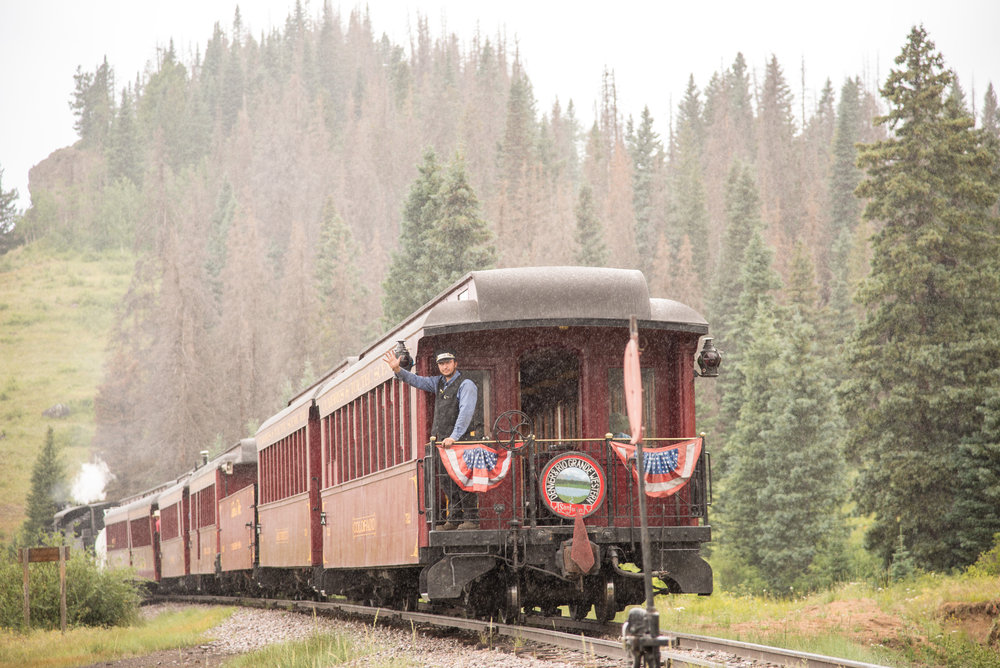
(540, 296)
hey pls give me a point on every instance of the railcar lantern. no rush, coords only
(709, 359)
(405, 359)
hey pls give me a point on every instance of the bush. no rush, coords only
(988, 563)
(94, 597)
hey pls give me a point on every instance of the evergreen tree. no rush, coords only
(460, 240)
(48, 489)
(845, 210)
(842, 309)
(93, 104)
(918, 359)
(804, 486)
(742, 221)
(517, 159)
(685, 279)
(164, 107)
(990, 115)
(8, 217)
(990, 124)
(741, 108)
(689, 212)
(759, 284)
(778, 171)
(591, 250)
(801, 289)
(411, 277)
(443, 237)
(340, 286)
(124, 146)
(746, 450)
(646, 152)
(977, 507)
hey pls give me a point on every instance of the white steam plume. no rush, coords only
(88, 485)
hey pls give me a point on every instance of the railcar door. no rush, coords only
(549, 388)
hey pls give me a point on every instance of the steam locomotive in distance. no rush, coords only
(342, 494)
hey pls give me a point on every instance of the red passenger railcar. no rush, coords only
(288, 501)
(228, 473)
(547, 344)
(133, 536)
(175, 513)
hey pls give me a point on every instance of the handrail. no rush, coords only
(490, 441)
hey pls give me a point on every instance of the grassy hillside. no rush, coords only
(56, 311)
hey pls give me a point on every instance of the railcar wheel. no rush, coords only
(475, 605)
(605, 606)
(409, 601)
(510, 607)
(579, 610)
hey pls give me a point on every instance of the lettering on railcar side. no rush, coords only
(363, 526)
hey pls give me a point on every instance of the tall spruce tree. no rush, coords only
(8, 209)
(48, 489)
(443, 237)
(804, 484)
(920, 357)
(460, 240)
(845, 210)
(646, 152)
(591, 251)
(990, 115)
(746, 451)
(777, 168)
(341, 290)
(93, 104)
(689, 212)
(976, 514)
(410, 279)
(759, 283)
(742, 221)
(124, 148)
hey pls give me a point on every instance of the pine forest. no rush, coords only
(320, 183)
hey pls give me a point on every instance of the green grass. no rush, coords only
(56, 313)
(900, 625)
(316, 651)
(85, 646)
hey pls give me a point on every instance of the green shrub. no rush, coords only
(94, 597)
(988, 563)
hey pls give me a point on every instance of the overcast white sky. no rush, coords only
(652, 47)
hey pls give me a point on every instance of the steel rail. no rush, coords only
(542, 630)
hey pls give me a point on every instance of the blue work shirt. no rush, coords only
(468, 394)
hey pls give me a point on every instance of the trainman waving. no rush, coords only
(454, 406)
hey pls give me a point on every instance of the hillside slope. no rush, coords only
(56, 312)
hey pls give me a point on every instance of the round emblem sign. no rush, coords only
(573, 484)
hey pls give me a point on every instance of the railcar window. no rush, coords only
(141, 535)
(618, 416)
(367, 435)
(117, 535)
(170, 525)
(550, 392)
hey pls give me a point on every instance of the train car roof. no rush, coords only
(539, 296)
(290, 419)
(242, 452)
(136, 507)
(175, 492)
(71, 513)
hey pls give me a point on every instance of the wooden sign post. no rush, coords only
(40, 554)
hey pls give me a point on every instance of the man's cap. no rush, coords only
(445, 355)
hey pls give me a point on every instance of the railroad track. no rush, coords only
(587, 637)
